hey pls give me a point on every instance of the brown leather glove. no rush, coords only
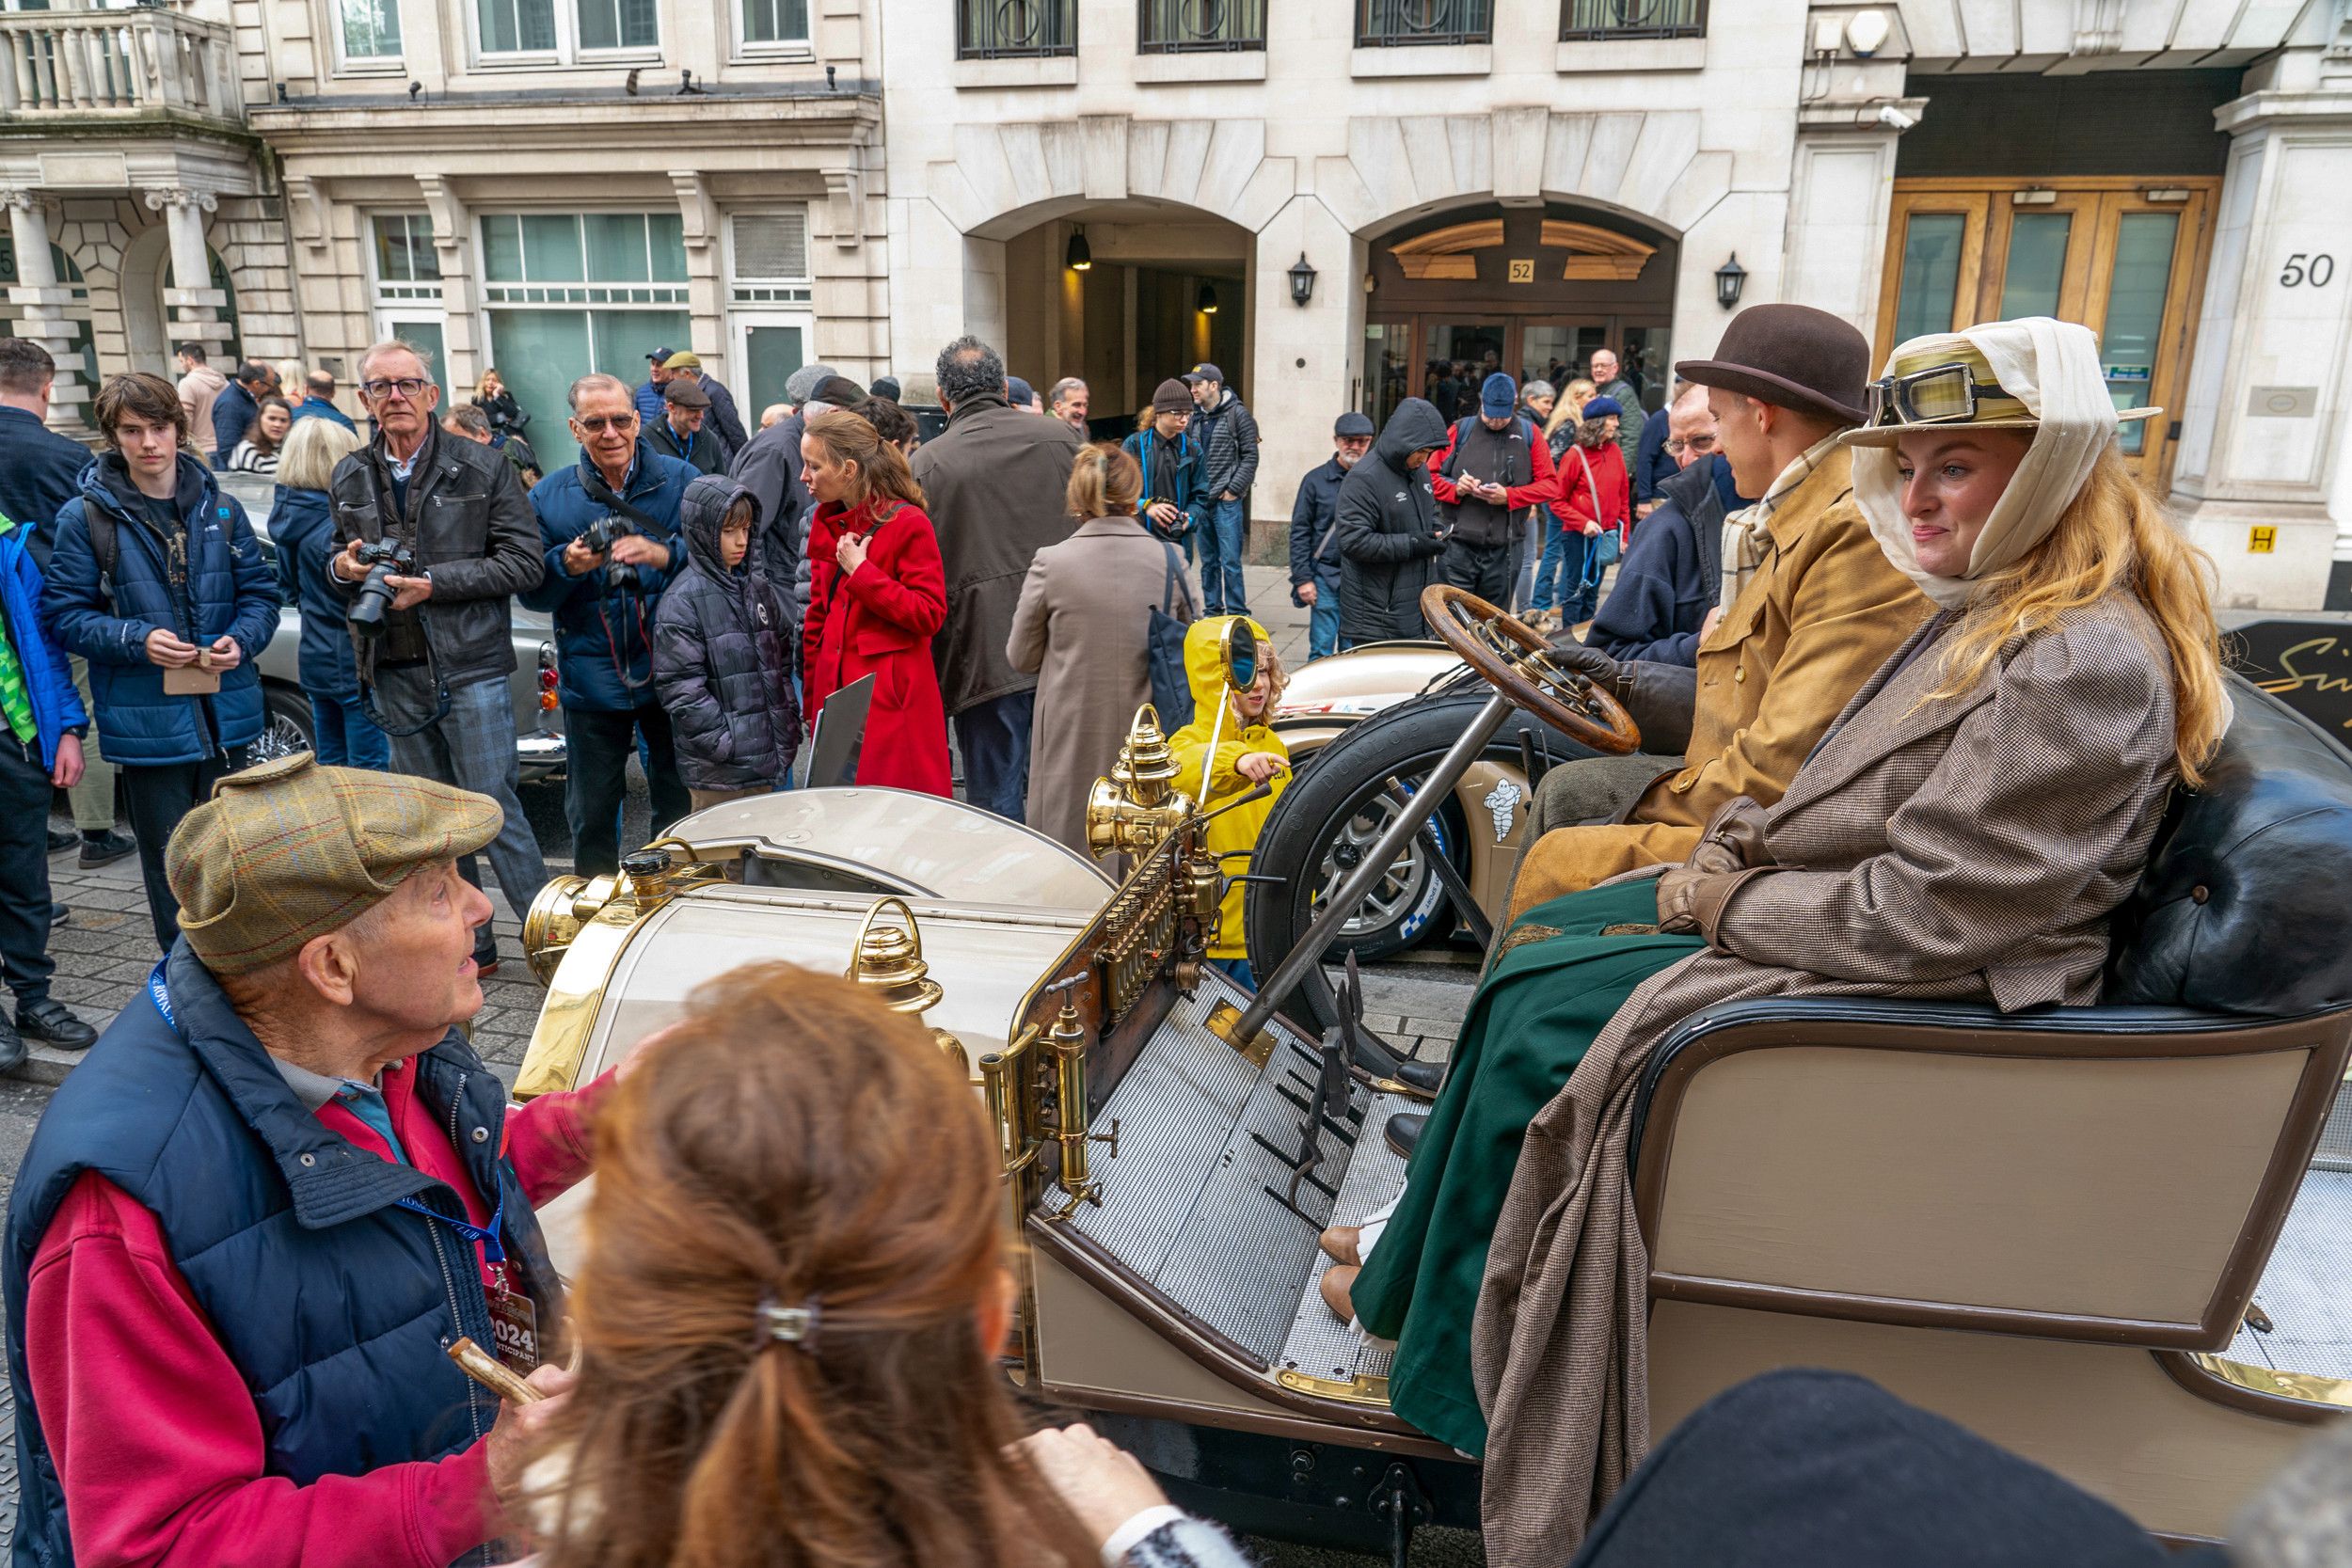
(1733, 839)
(1690, 900)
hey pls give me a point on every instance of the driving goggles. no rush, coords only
(1941, 394)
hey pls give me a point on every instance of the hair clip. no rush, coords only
(791, 1325)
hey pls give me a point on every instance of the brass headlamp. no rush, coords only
(889, 958)
(1139, 805)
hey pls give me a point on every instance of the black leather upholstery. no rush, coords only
(2247, 903)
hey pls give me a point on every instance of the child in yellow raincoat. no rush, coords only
(1248, 756)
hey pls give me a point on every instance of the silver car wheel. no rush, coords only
(282, 734)
(1408, 893)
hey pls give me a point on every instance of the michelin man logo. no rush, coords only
(1503, 802)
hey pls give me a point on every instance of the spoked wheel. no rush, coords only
(285, 725)
(1328, 818)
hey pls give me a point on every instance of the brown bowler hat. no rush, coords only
(1792, 355)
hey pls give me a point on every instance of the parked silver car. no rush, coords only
(538, 721)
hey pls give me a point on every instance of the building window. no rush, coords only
(774, 24)
(1392, 24)
(1632, 19)
(769, 257)
(1005, 29)
(407, 266)
(370, 30)
(1199, 27)
(563, 30)
(573, 293)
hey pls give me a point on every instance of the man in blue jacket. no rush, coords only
(1314, 534)
(318, 401)
(1169, 455)
(42, 724)
(603, 602)
(158, 581)
(238, 405)
(1671, 577)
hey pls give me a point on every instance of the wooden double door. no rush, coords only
(2126, 258)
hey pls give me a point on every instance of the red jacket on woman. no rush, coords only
(1611, 508)
(879, 621)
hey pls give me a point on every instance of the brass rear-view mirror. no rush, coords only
(1239, 646)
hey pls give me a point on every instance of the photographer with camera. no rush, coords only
(610, 527)
(434, 633)
(157, 579)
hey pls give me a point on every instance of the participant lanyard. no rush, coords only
(484, 1236)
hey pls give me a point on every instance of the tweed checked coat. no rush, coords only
(1822, 611)
(1966, 848)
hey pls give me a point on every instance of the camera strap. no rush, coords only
(592, 482)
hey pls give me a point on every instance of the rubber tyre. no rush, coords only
(287, 724)
(1403, 742)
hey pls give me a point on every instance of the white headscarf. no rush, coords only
(2052, 366)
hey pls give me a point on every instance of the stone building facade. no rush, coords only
(1338, 203)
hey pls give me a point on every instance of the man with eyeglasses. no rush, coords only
(436, 676)
(1672, 573)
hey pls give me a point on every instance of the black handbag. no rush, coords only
(1171, 693)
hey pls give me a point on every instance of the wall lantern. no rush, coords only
(1206, 304)
(1078, 257)
(1302, 282)
(1729, 279)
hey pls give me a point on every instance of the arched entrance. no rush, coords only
(1535, 291)
(1163, 288)
(148, 331)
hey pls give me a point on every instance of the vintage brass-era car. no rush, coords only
(2046, 1225)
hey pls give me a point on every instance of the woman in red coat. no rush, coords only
(877, 593)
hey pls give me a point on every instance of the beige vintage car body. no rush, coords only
(2047, 1228)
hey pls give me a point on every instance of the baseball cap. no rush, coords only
(1352, 424)
(659, 357)
(294, 849)
(1498, 395)
(1206, 372)
(1021, 394)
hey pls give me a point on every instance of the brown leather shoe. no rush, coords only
(1337, 1282)
(1342, 1243)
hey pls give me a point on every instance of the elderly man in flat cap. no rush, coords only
(280, 1184)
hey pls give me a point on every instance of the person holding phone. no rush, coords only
(158, 580)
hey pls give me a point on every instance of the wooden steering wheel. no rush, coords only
(1516, 661)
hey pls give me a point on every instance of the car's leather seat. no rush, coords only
(2245, 905)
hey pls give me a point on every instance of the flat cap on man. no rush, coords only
(684, 359)
(839, 391)
(685, 393)
(1353, 423)
(294, 849)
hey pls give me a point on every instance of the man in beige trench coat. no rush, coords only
(1815, 609)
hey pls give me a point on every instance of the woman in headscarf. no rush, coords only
(1962, 834)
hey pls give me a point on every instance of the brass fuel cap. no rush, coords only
(889, 958)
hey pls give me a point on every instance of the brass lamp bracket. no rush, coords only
(1137, 806)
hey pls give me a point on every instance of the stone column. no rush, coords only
(193, 304)
(461, 322)
(1842, 185)
(2262, 479)
(1304, 361)
(40, 299)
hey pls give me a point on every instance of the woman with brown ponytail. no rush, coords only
(1082, 627)
(790, 1313)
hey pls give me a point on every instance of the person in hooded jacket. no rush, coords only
(878, 594)
(302, 525)
(157, 579)
(1389, 533)
(722, 652)
(1246, 754)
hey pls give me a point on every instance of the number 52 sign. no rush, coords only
(2302, 268)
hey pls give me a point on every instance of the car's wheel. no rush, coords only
(1324, 823)
(287, 726)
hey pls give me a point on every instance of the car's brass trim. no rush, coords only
(1358, 1389)
(559, 1041)
(2261, 1390)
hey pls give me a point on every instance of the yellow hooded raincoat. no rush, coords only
(1236, 830)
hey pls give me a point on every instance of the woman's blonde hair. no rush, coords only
(2113, 532)
(1105, 482)
(882, 469)
(307, 458)
(1570, 408)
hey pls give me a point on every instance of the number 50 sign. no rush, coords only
(2317, 271)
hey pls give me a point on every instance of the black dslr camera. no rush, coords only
(384, 558)
(600, 536)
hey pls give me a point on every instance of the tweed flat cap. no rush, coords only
(292, 849)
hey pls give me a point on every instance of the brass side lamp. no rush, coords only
(889, 958)
(1139, 805)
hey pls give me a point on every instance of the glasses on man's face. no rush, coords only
(595, 423)
(407, 388)
(1677, 445)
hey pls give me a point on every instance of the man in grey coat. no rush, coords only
(996, 480)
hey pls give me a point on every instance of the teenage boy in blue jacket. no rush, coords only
(42, 724)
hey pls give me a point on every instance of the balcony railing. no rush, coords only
(1392, 24)
(122, 62)
(1632, 19)
(1007, 29)
(1199, 27)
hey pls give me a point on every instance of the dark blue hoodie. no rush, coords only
(302, 525)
